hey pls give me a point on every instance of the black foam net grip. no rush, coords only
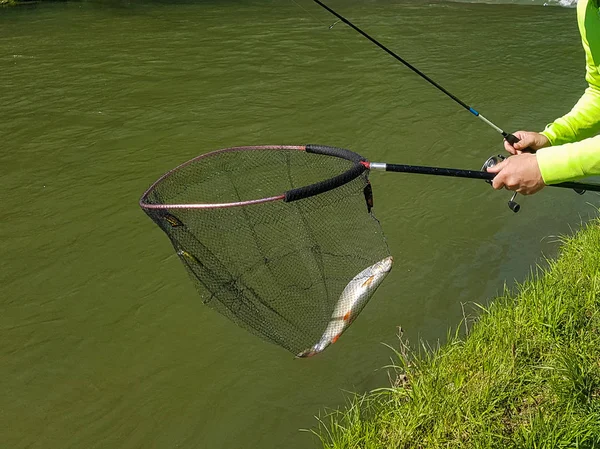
(336, 152)
(326, 185)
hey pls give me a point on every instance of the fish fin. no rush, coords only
(334, 339)
(348, 315)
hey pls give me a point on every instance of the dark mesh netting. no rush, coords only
(276, 268)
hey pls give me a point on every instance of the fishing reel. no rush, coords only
(512, 204)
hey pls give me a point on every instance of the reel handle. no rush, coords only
(512, 204)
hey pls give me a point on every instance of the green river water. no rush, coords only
(103, 341)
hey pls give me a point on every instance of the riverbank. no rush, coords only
(526, 375)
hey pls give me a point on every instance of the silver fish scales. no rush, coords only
(354, 296)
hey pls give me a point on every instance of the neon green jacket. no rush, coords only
(574, 152)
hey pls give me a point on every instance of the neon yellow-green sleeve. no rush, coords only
(574, 152)
(581, 122)
(570, 161)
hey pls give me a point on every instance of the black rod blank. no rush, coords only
(472, 174)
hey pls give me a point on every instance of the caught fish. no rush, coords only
(353, 298)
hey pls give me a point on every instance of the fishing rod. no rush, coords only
(578, 187)
(510, 138)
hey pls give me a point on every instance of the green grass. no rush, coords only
(526, 375)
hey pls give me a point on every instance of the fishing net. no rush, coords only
(272, 235)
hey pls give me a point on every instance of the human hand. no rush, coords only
(527, 139)
(520, 173)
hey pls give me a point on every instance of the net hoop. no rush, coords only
(291, 195)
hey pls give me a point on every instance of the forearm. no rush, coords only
(575, 152)
(581, 122)
(570, 161)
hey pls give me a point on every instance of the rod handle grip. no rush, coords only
(512, 139)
